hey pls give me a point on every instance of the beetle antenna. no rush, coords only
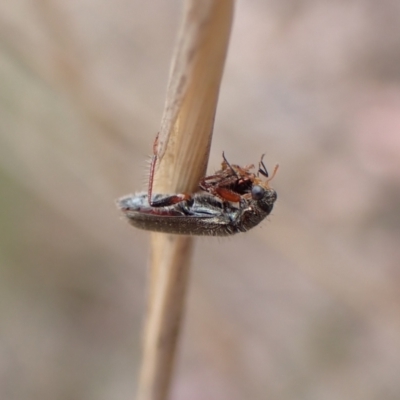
(229, 165)
(262, 169)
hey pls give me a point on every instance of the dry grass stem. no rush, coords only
(183, 150)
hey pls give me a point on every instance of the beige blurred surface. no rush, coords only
(306, 306)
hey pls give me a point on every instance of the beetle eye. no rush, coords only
(257, 192)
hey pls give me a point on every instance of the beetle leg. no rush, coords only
(218, 182)
(227, 195)
(169, 200)
(273, 174)
(246, 196)
(152, 169)
(244, 170)
(165, 201)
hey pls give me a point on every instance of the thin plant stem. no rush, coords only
(183, 150)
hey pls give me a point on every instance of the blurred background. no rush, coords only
(306, 306)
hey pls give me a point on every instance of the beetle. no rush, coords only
(232, 200)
